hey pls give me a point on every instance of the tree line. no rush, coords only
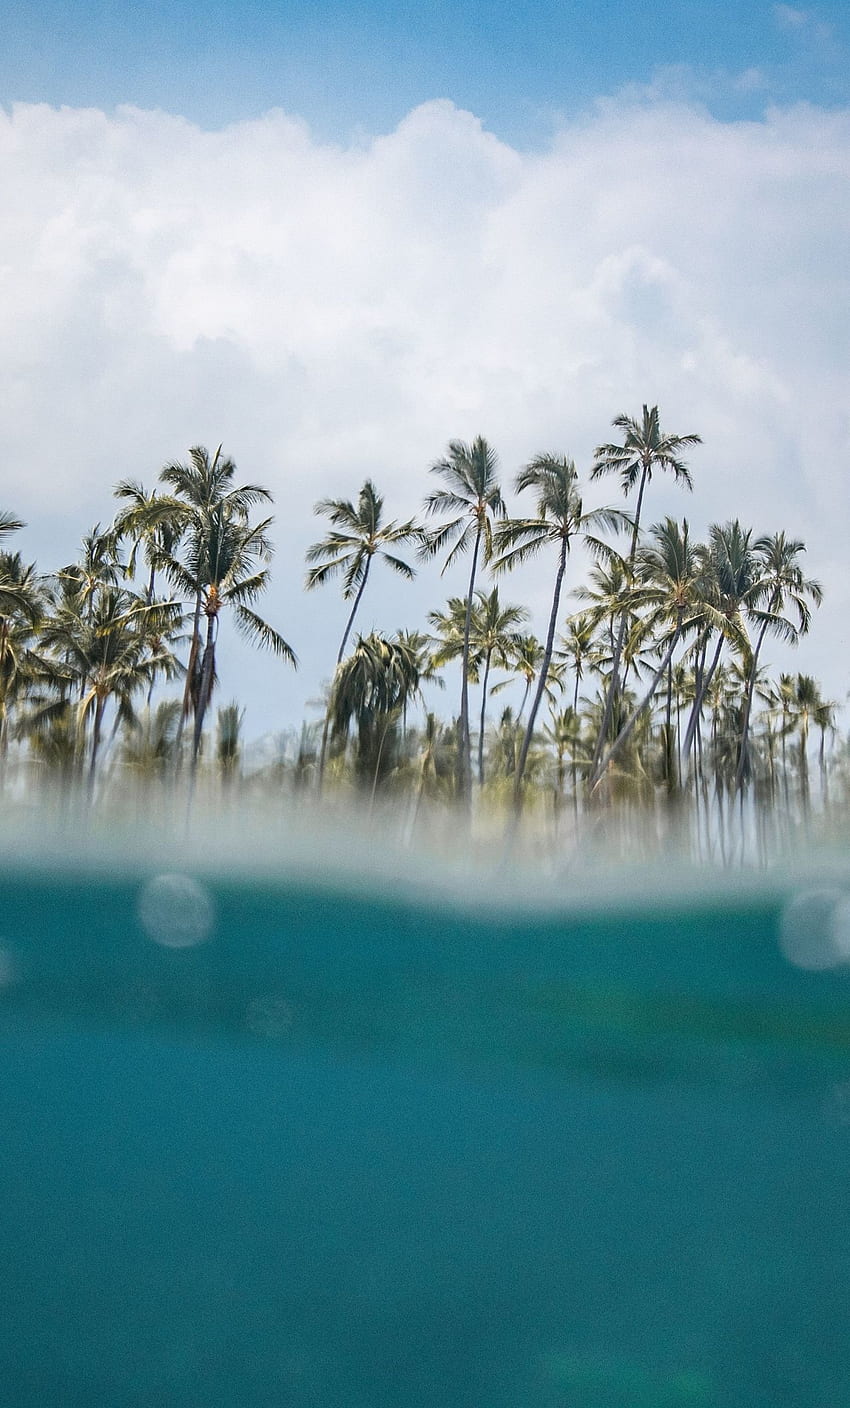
(648, 683)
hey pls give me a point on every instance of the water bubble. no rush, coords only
(175, 911)
(814, 931)
(269, 1016)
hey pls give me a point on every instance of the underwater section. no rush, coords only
(284, 1137)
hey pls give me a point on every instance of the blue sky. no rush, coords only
(345, 67)
(461, 219)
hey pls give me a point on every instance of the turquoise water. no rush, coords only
(294, 1145)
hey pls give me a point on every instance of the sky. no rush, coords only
(334, 237)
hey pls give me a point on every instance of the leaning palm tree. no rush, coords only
(559, 520)
(359, 535)
(473, 499)
(645, 448)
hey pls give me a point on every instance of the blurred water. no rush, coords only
(324, 1145)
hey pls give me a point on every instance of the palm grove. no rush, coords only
(647, 683)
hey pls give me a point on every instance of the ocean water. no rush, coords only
(306, 1142)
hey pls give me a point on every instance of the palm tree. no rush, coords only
(22, 606)
(359, 535)
(104, 642)
(564, 733)
(151, 521)
(824, 718)
(727, 585)
(493, 639)
(228, 730)
(221, 556)
(98, 566)
(525, 661)
(667, 574)
(473, 498)
(560, 518)
(9, 523)
(781, 586)
(645, 447)
(203, 486)
(148, 748)
(579, 647)
(371, 689)
(806, 705)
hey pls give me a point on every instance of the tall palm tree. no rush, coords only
(782, 586)
(359, 535)
(472, 497)
(644, 448)
(221, 553)
(560, 519)
(201, 487)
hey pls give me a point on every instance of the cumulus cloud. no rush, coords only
(330, 312)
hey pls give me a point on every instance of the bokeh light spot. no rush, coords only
(175, 911)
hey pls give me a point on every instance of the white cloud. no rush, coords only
(329, 312)
(790, 18)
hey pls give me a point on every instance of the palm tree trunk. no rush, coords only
(350, 622)
(544, 673)
(525, 695)
(205, 688)
(626, 730)
(668, 741)
(748, 704)
(481, 722)
(323, 751)
(464, 773)
(191, 667)
(699, 695)
(95, 741)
